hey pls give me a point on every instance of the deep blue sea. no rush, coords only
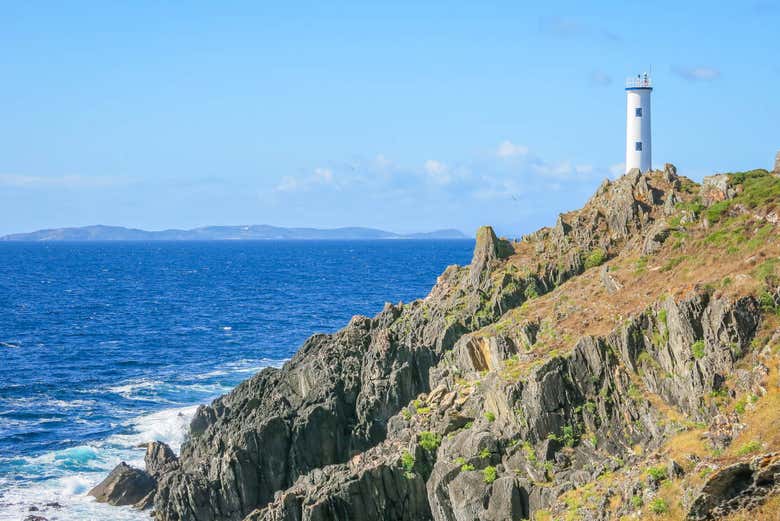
(105, 346)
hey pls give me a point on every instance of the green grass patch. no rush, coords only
(749, 448)
(596, 257)
(698, 349)
(659, 506)
(489, 474)
(429, 441)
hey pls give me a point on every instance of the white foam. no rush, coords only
(169, 426)
(129, 389)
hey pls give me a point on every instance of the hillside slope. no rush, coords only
(622, 364)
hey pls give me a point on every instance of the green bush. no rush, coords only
(429, 441)
(489, 416)
(636, 501)
(595, 258)
(659, 506)
(698, 349)
(407, 462)
(489, 474)
(658, 473)
(466, 467)
(749, 448)
(484, 453)
(531, 291)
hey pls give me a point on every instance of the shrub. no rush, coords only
(658, 473)
(407, 462)
(749, 448)
(466, 467)
(568, 436)
(423, 410)
(530, 291)
(698, 349)
(489, 474)
(460, 461)
(530, 453)
(429, 441)
(489, 416)
(740, 406)
(659, 506)
(636, 501)
(595, 258)
(484, 453)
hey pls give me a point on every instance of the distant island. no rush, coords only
(223, 233)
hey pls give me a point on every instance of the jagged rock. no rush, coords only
(670, 173)
(125, 485)
(159, 458)
(776, 168)
(737, 486)
(488, 249)
(610, 283)
(716, 188)
(655, 238)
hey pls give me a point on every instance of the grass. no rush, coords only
(658, 473)
(407, 462)
(489, 474)
(659, 506)
(596, 257)
(749, 448)
(698, 349)
(429, 441)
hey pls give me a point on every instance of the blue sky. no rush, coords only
(405, 116)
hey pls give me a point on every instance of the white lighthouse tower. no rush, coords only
(639, 146)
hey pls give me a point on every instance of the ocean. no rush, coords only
(106, 346)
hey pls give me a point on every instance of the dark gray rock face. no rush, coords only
(125, 485)
(159, 459)
(333, 400)
(738, 486)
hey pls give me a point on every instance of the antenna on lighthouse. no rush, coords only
(638, 129)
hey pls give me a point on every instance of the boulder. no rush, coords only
(125, 485)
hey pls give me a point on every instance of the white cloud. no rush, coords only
(584, 169)
(324, 174)
(437, 171)
(435, 167)
(320, 176)
(509, 149)
(697, 73)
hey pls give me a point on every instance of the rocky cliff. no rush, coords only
(620, 364)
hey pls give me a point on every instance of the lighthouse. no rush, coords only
(638, 135)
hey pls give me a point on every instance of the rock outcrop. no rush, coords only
(124, 486)
(738, 486)
(509, 390)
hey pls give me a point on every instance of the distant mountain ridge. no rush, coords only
(220, 233)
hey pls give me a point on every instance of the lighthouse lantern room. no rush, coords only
(638, 138)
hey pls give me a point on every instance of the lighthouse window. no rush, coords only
(638, 146)
(639, 112)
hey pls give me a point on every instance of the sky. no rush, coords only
(406, 116)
